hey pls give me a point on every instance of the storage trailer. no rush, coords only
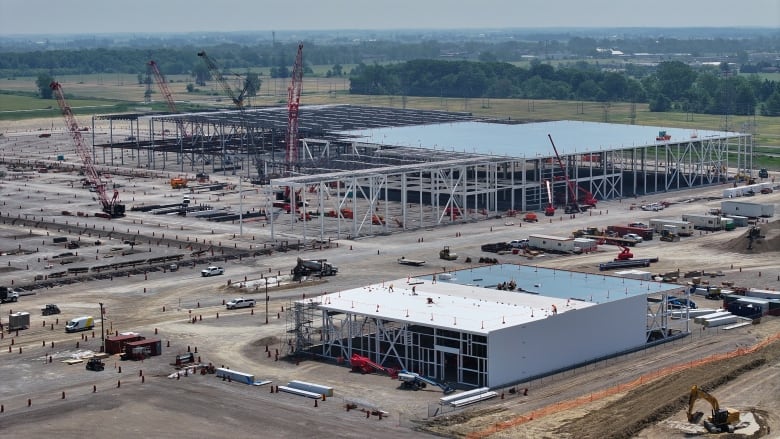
(684, 228)
(704, 222)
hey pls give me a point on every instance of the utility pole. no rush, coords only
(102, 329)
(266, 300)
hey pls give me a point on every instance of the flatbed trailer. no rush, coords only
(413, 262)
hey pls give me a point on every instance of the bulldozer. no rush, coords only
(669, 236)
(447, 255)
(721, 421)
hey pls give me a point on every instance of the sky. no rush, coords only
(154, 16)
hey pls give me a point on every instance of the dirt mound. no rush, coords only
(768, 242)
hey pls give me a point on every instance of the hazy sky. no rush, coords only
(106, 16)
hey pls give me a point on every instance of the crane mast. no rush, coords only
(293, 102)
(110, 207)
(163, 85)
(588, 198)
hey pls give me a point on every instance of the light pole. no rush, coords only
(266, 300)
(102, 330)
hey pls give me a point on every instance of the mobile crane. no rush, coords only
(721, 421)
(588, 200)
(111, 207)
(163, 85)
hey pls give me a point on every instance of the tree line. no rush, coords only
(670, 86)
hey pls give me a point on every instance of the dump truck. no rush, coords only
(178, 182)
(313, 267)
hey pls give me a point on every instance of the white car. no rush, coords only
(633, 236)
(518, 243)
(240, 302)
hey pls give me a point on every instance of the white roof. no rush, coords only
(460, 307)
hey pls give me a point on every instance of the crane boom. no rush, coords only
(293, 102)
(588, 198)
(163, 85)
(238, 101)
(111, 207)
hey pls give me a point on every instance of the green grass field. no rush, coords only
(92, 94)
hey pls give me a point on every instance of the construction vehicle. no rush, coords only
(625, 254)
(364, 365)
(550, 209)
(415, 381)
(763, 173)
(95, 364)
(721, 421)
(8, 295)
(178, 182)
(662, 135)
(669, 235)
(313, 267)
(111, 207)
(50, 309)
(166, 92)
(293, 102)
(531, 217)
(447, 255)
(575, 205)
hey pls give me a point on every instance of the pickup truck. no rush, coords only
(240, 303)
(212, 271)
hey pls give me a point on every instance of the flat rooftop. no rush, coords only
(467, 300)
(526, 140)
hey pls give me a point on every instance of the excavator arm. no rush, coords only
(722, 420)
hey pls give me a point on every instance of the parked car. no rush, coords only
(518, 243)
(680, 303)
(50, 309)
(240, 302)
(633, 236)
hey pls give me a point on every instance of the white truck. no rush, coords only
(8, 295)
(684, 228)
(240, 302)
(212, 271)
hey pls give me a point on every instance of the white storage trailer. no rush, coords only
(704, 222)
(684, 228)
(741, 208)
(556, 244)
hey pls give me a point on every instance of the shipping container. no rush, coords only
(116, 344)
(138, 350)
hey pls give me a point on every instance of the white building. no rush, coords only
(474, 334)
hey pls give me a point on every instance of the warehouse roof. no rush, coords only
(468, 300)
(527, 140)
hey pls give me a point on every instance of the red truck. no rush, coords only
(645, 232)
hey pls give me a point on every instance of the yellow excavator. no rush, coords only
(721, 421)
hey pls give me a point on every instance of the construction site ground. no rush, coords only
(41, 394)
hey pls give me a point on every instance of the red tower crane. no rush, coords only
(573, 206)
(111, 207)
(293, 101)
(163, 85)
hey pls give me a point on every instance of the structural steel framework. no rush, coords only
(350, 188)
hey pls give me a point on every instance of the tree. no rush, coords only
(674, 79)
(43, 81)
(252, 83)
(190, 88)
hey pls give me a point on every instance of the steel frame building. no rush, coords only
(479, 336)
(366, 170)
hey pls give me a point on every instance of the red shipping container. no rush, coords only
(116, 344)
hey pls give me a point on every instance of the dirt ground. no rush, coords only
(41, 395)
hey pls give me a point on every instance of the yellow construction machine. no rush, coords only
(721, 421)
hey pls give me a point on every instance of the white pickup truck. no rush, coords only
(239, 302)
(212, 271)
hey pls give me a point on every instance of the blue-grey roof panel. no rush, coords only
(527, 140)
